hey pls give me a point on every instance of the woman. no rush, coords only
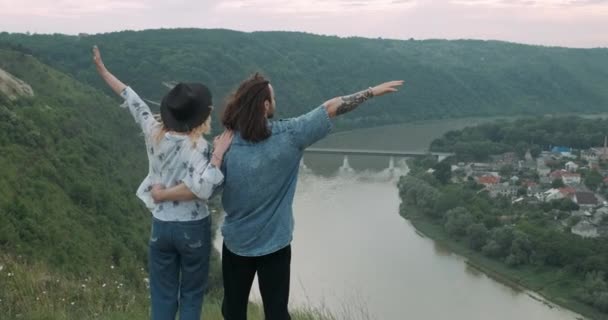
(180, 239)
(261, 173)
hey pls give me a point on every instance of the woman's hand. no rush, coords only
(116, 85)
(387, 87)
(97, 59)
(221, 144)
(157, 193)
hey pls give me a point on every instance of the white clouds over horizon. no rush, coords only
(580, 23)
(318, 6)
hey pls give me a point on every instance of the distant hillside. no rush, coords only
(444, 79)
(70, 162)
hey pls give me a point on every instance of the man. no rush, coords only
(261, 172)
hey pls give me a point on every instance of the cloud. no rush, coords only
(552, 22)
(66, 8)
(315, 6)
(553, 4)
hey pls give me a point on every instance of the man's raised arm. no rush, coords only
(341, 105)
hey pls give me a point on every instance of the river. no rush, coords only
(355, 256)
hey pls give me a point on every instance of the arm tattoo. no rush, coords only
(351, 102)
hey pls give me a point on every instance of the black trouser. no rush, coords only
(273, 279)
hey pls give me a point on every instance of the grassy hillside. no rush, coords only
(70, 160)
(444, 79)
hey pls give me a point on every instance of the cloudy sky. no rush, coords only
(572, 23)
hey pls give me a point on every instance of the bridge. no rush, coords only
(392, 154)
(387, 153)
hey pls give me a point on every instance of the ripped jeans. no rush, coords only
(179, 266)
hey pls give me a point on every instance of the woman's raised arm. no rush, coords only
(116, 85)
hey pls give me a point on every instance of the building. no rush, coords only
(571, 166)
(590, 155)
(503, 189)
(585, 229)
(482, 167)
(568, 192)
(585, 199)
(600, 153)
(570, 178)
(488, 180)
(542, 170)
(550, 195)
(557, 174)
(560, 150)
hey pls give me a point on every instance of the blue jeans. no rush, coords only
(179, 266)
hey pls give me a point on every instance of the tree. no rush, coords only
(594, 290)
(557, 183)
(535, 151)
(593, 180)
(457, 221)
(443, 172)
(521, 249)
(492, 249)
(478, 236)
(449, 199)
(506, 171)
(499, 242)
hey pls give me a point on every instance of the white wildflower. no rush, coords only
(72, 303)
(112, 267)
(146, 280)
(10, 274)
(43, 292)
(103, 285)
(2, 267)
(83, 286)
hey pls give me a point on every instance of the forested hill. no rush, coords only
(70, 162)
(443, 78)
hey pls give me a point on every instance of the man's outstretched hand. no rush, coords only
(387, 87)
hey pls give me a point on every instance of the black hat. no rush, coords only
(186, 106)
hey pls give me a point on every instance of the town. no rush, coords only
(578, 179)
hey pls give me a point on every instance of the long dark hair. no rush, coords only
(245, 111)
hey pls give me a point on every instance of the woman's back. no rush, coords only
(173, 159)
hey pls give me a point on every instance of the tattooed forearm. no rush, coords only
(351, 102)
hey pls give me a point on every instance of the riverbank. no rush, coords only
(553, 287)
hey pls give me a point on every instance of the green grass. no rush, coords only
(32, 292)
(554, 285)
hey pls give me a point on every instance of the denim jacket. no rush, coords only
(260, 183)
